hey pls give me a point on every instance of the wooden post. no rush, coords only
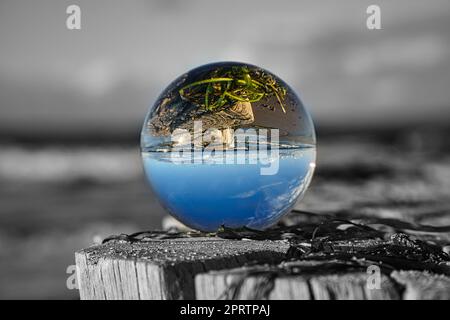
(163, 269)
(214, 268)
(317, 259)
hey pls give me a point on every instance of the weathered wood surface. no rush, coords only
(273, 284)
(163, 269)
(423, 285)
(315, 260)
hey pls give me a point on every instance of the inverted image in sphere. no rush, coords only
(228, 144)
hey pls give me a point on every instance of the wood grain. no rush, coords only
(423, 285)
(163, 269)
(273, 284)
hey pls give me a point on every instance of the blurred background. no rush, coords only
(72, 103)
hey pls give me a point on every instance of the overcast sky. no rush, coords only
(105, 76)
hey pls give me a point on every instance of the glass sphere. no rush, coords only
(228, 144)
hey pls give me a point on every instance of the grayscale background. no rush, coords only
(72, 103)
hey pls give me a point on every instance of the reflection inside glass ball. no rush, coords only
(228, 144)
